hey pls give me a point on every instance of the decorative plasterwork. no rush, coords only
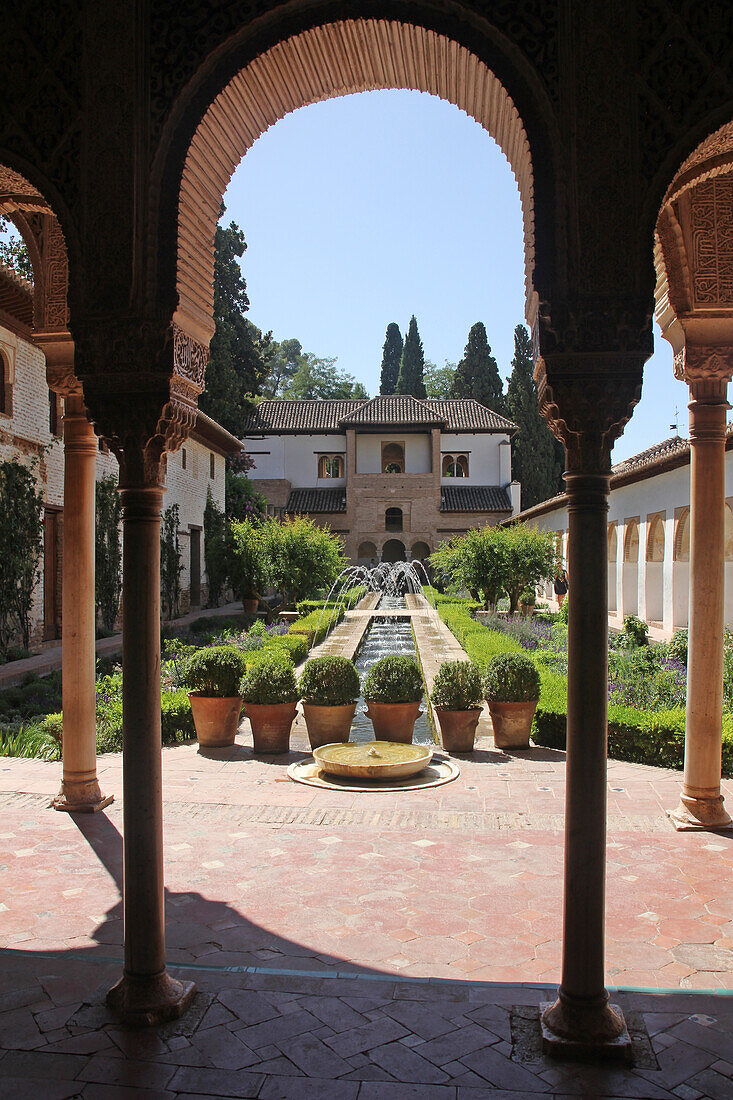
(332, 60)
(711, 218)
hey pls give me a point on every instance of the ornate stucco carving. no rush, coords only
(711, 224)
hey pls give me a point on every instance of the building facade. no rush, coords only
(394, 475)
(648, 538)
(31, 431)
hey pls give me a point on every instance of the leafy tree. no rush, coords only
(412, 366)
(283, 362)
(239, 352)
(21, 541)
(108, 550)
(303, 557)
(170, 560)
(536, 463)
(477, 374)
(530, 555)
(13, 252)
(439, 380)
(215, 549)
(248, 560)
(242, 500)
(391, 357)
(320, 378)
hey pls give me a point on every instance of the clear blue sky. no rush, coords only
(368, 208)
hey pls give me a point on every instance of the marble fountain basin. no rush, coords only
(383, 760)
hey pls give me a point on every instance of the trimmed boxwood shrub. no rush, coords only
(268, 682)
(512, 678)
(176, 717)
(295, 645)
(394, 680)
(215, 672)
(329, 682)
(457, 686)
(318, 622)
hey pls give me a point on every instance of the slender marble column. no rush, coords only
(701, 801)
(80, 791)
(145, 994)
(582, 1018)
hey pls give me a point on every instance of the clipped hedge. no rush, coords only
(318, 623)
(638, 736)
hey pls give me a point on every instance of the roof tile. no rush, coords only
(474, 498)
(316, 500)
(386, 410)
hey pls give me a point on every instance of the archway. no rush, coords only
(334, 59)
(366, 554)
(681, 570)
(631, 568)
(393, 550)
(420, 551)
(612, 566)
(654, 580)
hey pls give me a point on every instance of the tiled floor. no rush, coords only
(296, 887)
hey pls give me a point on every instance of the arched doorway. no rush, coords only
(366, 554)
(612, 566)
(393, 519)
(681, 570)
(631, 568)
(654, 581)
(393, 550)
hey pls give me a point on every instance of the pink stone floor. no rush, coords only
(460, 883)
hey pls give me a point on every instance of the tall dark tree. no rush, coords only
(535, 461)
(412, 366)
(477, 374)
(391, 356)
(237, 363)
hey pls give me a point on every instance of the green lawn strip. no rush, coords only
(638, 736)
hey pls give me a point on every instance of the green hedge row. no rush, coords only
(318, 623)
(639, 736)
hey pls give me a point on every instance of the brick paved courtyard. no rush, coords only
(331, 907)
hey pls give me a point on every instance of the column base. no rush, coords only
(700, 813)
(150, 1000)
(578, 1031)
(83, 797)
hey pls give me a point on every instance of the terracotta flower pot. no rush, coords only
(250, 606)
(393, 721)
(216, 719)
(271, 725)
(326, 725)
(458, 728)
(512, 723)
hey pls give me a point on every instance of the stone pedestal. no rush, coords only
(145, 994)
(80, 791)
(701, 802)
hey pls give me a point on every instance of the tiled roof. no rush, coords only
(298, 416)
(474, 498)
(316, 500)
(467, 415)
(393, 409)
(388, 410)
(652, 456)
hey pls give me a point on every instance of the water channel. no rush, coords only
(386, 637)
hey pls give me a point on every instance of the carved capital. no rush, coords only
(705, 367)
(58, 347)
(142, 379)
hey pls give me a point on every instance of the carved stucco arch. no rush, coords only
(332, 60)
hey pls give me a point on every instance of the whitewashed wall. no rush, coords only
(418, 453)
(489, 457)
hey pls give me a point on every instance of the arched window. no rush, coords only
(655, 540)
(631, 541)
(393, 519)
(393, 459)
(682, 537)
(455, 466)
(6, 386)
(330, 466)
(612, 542)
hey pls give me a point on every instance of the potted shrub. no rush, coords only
(270, 696)
(457, 699)
(212, 678)
(393, 689)
(329, 688)
(527, 601)
(512, 690)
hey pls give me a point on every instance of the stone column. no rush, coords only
(79, 786)
(145, 994)
(701, 801)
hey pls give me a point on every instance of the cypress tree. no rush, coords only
(477, 374)
(536, 463)
(411, 377)
(391, 356)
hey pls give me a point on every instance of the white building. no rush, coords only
(394, 475)
(648, 535)
(31, 426)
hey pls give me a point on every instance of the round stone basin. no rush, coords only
(373, 759)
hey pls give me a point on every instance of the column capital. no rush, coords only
(58, 347)
(707, 369)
